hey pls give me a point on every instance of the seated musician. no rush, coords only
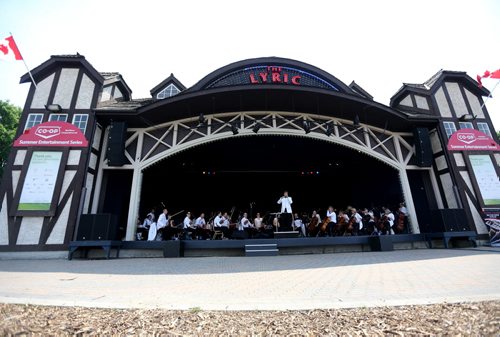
(221, 223)
(389, 222)
(298, 224)
(330, 213)
(172, 231)
(358, 224)
(368, 221)
(187, 227)
(246, 225)
(201, 230)
(403, 212)
(155, 230)
(257, 222)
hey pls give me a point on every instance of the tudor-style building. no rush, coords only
(263, 99)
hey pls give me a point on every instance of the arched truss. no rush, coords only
(145, 147)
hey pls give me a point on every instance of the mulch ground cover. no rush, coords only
(458, 319)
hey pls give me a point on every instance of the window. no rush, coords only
(33, 119)
(80, 121)
(449, 128)
(466, 125)
(58, 117)
(483, 127)
(169, 91)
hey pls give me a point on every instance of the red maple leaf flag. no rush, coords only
(488, 74)
(9, 50)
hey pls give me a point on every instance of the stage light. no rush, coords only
(53, 108)
(234, 128)
(329, 130)
(467, 117)
(256, 127)
(355, 122)
(306, 126)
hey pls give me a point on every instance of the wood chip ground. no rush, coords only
(461, 319)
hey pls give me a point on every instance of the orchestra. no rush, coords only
(342, 222)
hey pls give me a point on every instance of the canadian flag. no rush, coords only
(488, 74)
(9, 50)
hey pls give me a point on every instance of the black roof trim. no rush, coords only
(360, 91)
(429, 86)
(275, 61)
(70, 60)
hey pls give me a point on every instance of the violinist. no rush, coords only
(389, 222)
(330, 213)
(299, 224)
(257, 222)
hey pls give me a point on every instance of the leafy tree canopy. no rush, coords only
(9, 120)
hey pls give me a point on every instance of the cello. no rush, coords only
(324, 225)
(311, 228)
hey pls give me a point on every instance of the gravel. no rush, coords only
(459, 319)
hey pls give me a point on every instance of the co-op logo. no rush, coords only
(48, 131)
(466, 138)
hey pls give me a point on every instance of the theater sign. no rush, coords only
(52, 134)
(471, 140)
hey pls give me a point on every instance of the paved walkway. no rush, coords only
(246, 283)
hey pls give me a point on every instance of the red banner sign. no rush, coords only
(471, 140)
(52, 134)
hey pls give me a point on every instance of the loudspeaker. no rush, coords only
(423, 149)
(94, 227)
(116, 144)
(448, 220)
(241, 235)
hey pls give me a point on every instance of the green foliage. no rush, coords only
(498, 133)
(9, 119)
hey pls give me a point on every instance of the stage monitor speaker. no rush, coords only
(423, 149)
(448, 220)
(94, 227)
(116, 144)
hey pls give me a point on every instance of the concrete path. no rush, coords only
(247, 283)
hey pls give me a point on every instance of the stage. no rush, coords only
(285, 246)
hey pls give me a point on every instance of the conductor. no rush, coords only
(286, 210)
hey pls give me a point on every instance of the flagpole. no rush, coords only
(490, 95)
(27, 68)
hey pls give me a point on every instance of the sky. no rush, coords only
(379, 44)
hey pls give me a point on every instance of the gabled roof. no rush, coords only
(429, 86)
(57, 60)
(165, 83)
(117, 78)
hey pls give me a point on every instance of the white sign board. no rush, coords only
(486, 178)
(40, 181)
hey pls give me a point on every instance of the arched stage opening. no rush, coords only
(250, 173)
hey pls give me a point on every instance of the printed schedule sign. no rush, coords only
(40, 182)
(486, 178)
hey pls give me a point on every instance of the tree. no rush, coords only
(498, 134)
(9, 119)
